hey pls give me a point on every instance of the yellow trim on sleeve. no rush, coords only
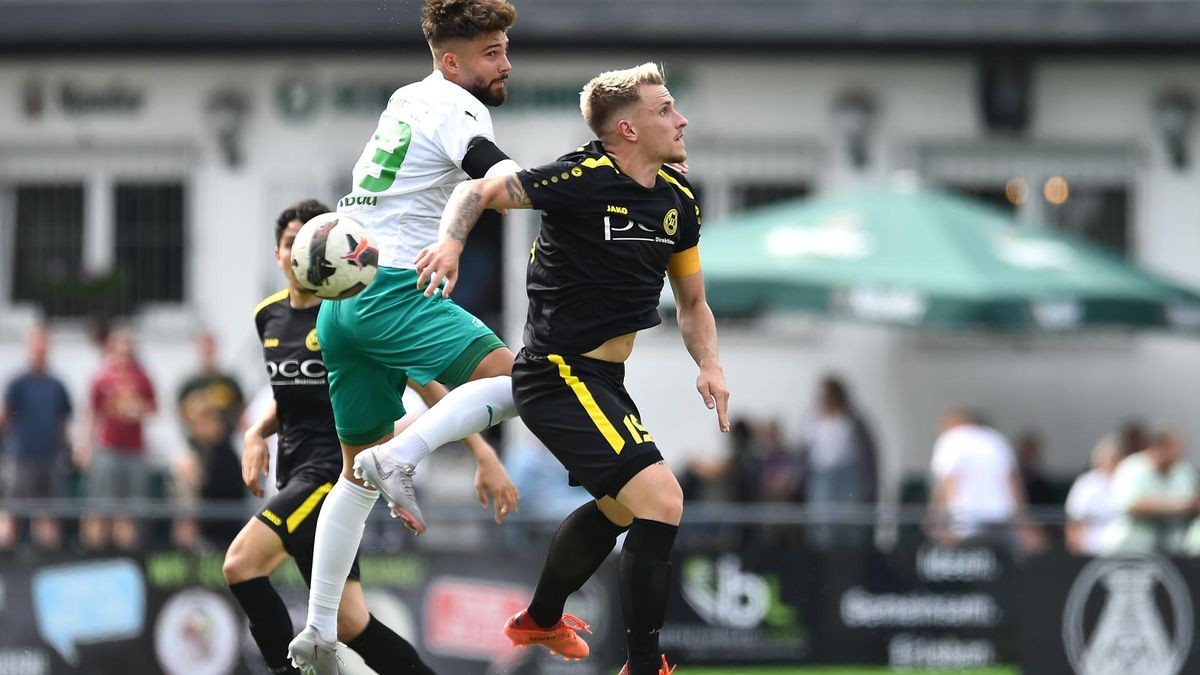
(606, 428)
(270, 300)
(270, 515)
(298, 516)
(671, 179)
(685, 263)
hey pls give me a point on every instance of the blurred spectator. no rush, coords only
(1155, 492)
(977, 496)
(779, 471)
(209, 471)
(210, 406)
(1133, 438)
(1091, 509)
(34, 417)
(111, 449)
(219, 389)
(540, 477)
(839, 461)
(1038, 488)
(709, 475)
(742, 461)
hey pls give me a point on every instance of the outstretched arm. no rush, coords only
(440, 261)
(699, 330)
(256, 457)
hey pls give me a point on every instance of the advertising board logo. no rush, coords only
(461, 616)
(723, 595)
(88, 603)
(1135, 632)
(197, 634)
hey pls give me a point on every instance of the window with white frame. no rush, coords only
(758, 193)
(101, 236)
(738, 176)
(47, 245)
(1083, 189)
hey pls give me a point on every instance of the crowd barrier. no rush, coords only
(746, 593)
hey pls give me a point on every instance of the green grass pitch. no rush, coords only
(841, 670)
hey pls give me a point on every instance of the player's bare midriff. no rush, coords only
(614, 350)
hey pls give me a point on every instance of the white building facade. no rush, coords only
(172, 168)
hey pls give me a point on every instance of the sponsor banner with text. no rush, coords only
(169, 613)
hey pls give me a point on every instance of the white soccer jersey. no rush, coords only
(410, 166)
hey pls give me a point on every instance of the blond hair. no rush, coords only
(609, 92)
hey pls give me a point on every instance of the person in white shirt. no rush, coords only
(1157, 493)
(839, 466)
(1091, 508)
(977, 496)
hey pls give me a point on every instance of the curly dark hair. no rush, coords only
(443, 20)
(302, 211)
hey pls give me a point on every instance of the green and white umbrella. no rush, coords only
(928, 258)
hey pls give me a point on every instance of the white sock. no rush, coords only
(467, 409)
(339, 531)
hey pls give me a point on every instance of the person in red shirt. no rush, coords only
(112, 447)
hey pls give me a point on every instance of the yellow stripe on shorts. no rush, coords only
(298, 516)
(589, 404)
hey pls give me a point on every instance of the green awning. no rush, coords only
(927, 258)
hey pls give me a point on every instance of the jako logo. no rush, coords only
(722, 594)
(312, 368)
(1131, 634)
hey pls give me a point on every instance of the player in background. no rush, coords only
(308, 462)
(615, 222)
(433, 134)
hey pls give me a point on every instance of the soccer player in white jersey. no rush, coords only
(433, 134)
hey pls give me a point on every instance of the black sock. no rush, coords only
(270, 623)
(645, 585)
(582, 542)
(386, 652)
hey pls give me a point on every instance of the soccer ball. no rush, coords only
(333, 256)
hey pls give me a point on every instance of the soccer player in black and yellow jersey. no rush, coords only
(615, 222)
(308, 463)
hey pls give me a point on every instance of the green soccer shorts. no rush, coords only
(373, 342)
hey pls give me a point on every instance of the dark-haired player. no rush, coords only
(433, 134)
(309, 461)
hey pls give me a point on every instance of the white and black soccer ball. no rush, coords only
(334, 257)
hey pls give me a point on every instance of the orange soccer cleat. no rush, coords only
(666, 668)
(561, 638)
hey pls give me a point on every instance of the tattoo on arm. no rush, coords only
(516, 191)
(466, 211)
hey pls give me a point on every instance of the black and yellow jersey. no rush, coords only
(597, 267)
(307, 436)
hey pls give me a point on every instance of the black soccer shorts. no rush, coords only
(579, 409)
(292, 514)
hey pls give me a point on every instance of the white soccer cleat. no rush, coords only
(312, 655)
(395, 482)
